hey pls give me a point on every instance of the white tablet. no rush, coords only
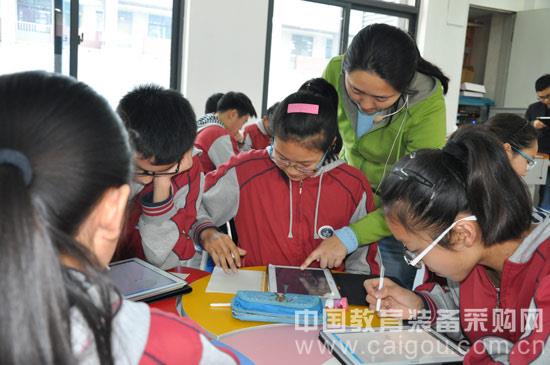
(139, 280)
(310, 281)
(391, 346)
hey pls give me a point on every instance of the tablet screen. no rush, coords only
(393, 346)
(131, 278)
(294, 280)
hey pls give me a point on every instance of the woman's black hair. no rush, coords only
(513, 129)
(392, 54)
(428, 189)
(318, 131)
(77, 149)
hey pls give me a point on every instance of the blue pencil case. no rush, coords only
(260, 306)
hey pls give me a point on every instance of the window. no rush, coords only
(302, 45)
(329, 48)
(360, 19)
(113, 46)
(305, 34)
(299, 44)
(34, 16)
(160, 26)
(125, 20)
(26, 35)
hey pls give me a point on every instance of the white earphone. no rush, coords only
(379, 118)
(394, 140)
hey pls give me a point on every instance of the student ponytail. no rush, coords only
(317, 129)
(322, 87)
(34, 323)
(472, 175)
(392, 54)
(69, 148)
(496, 195)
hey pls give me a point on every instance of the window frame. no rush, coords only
(374, 6)
(176, 49)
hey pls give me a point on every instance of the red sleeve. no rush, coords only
(174, 340)
(186, 216)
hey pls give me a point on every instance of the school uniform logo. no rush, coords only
(325, 232)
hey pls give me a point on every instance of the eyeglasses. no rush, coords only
(415, 260)
(142, 172)
(284, 163)
(405, 173)
(544, 97)
(531, 162)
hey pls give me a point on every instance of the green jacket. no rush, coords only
(422, 125)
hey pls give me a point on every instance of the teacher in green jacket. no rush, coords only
(390, 104)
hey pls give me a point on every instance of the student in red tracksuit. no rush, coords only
(218, 132)
(257, 136)
(496, 261)
(65, 168)
(168, 180)
(289, 197)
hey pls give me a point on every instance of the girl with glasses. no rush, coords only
(519, 139)
(472, 226)
(289, 197)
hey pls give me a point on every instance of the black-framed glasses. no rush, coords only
(531, 162)
(405, 174)
(141, 172)
(543, 97)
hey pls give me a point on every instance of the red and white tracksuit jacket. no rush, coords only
(281, 221)
(159, 232)
(215, 142)
(506, 325)
(255, 137)
(143, 335)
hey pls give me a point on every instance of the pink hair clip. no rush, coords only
(303, 108)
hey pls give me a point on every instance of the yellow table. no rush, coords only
(218, 320)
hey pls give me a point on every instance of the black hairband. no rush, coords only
(19, 160)
(455, 150)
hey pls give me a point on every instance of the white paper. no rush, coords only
(220, 282)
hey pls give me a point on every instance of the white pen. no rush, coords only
(220, 304)
(380, 286)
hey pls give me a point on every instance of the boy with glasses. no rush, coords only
(539, 114)
(167, 184)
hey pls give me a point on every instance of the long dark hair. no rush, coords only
(513, 129)
(77, 149)
(429, 188)
(392, 54)
(317, 131)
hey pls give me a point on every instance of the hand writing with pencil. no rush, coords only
(392, 297)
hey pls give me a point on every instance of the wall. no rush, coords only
(479, 52)
(529, 57)
(224, 49)
(441, 35)
(498, 56)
